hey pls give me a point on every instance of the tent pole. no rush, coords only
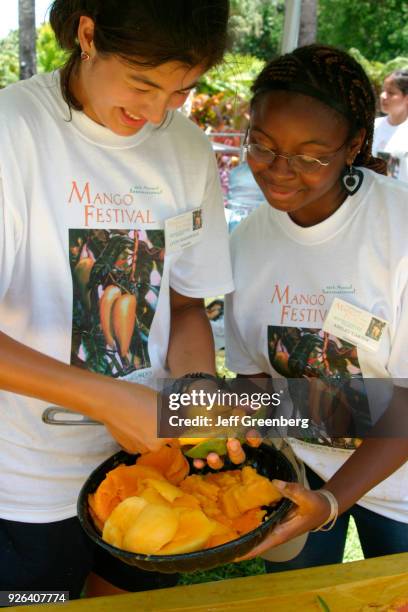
(291, 26)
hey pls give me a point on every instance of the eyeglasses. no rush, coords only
(298, 163)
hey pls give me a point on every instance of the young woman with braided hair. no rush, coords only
(332, 227)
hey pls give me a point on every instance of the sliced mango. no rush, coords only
(221, 534)
(169, 461)
(149, 514)
(191, 441)
(224, 480)
(223, 538)
(152, 496)
(166, 490)
(255, 491)
(186, 501)
(248, 521)
(121, 482)
(220, 528)
(154, 527)
(193, 532)
(228, 502)
(197, 485)
(122, 517)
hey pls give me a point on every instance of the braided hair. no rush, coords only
(333, 77)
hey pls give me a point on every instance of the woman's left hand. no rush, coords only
(235, 452)
(312, 510)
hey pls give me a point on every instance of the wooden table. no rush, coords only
(347, 587)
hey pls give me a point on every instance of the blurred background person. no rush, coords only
(391, 132)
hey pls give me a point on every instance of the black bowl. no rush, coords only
(265, 459)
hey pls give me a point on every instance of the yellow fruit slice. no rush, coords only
(152, 496)
(120, 483)
(166, 490)
(186, 501)
(154, 527)
(221, 534)
(121, 519)
(193, 531)
(191, 441)
(228, 502)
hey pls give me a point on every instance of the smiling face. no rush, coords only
(393, 101)
(123, 97)
(294, 124)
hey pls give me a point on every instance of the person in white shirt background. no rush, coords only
(391, 132)
(93, 164)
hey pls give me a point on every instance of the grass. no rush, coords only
(353, 550)
(231, 570)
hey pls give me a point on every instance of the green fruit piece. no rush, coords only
(201, 450)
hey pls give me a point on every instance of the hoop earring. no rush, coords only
(352, 179)
(85, 56)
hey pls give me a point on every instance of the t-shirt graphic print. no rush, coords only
(336, 394)
(116, 284)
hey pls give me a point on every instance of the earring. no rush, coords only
(85, 56)
(352, 179)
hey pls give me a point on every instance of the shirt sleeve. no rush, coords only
(376, 136)
(204, 270)
(403, 171)
(237, 358)
(9, 240)
(398, 361)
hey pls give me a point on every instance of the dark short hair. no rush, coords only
(333, 77)
(143, 32)
(400, 78)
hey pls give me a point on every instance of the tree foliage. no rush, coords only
(9, 68)
(379, 29)
(256, 27)
(377, 71)
(376, 31)
(234, 76)
(49, 55)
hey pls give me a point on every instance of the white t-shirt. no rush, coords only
(72, 190)
(391, 143)
(286, 278)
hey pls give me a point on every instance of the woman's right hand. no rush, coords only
(128, 410)
(129, 413)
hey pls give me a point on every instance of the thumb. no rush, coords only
(155, 444)
(291, 490)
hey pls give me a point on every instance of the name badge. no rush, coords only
(183, 230)
(354, 325)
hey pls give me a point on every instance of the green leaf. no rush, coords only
(233, 77)
(379, 30)
(93, 344)
(322, 604)
(9, 68)
(50, 56)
